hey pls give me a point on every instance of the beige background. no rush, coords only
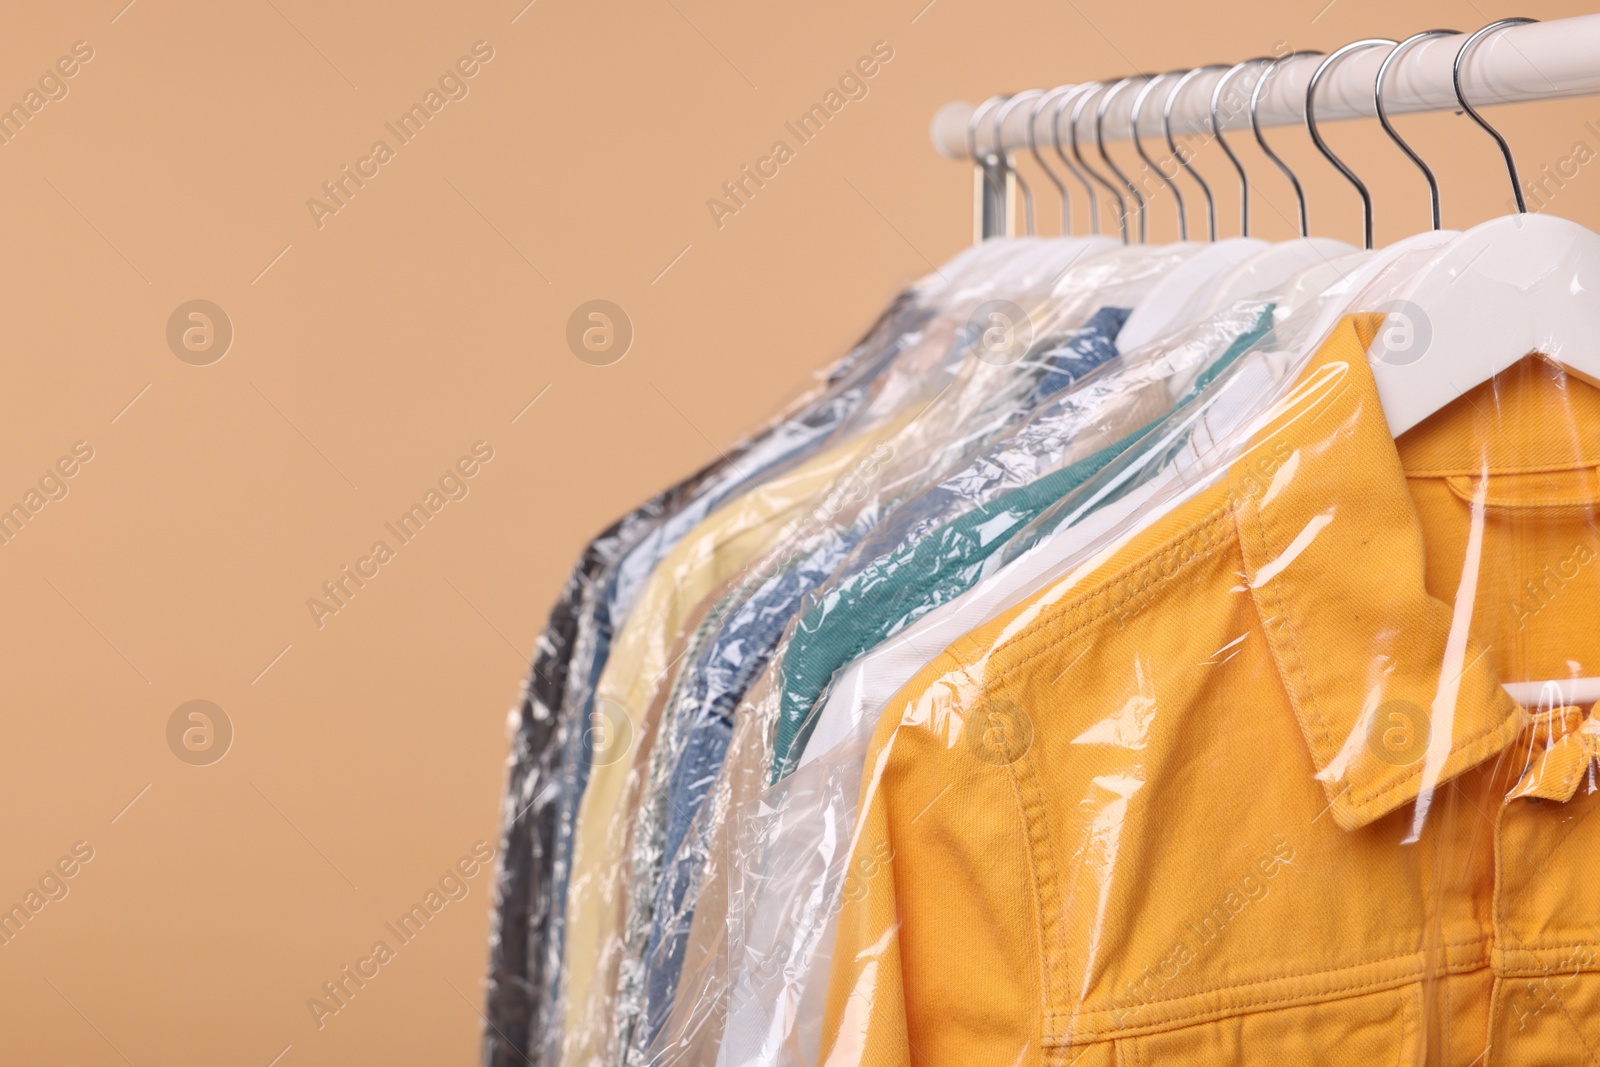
(372, 352)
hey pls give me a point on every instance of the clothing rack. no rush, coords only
(1535, 61)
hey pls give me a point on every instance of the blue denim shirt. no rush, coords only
(716, 682)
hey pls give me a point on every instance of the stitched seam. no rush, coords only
(1213, 1015)
(1589, 942)
(1285, 976)
(1497, 997)
(1044, 882)
(1470, 472)
(1407, 1007)
(1407, 986)
(1328, 993)
(1576, 504)
(1194, 533)
(1460, 751)
(1461, 486)
(1499, 896)
(1039, 880)
(1291, 660)
(1104, 590)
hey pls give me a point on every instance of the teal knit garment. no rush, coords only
(916, 577)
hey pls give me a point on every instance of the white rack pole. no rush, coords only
(1535, 61)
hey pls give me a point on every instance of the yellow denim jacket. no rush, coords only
(1252, 791)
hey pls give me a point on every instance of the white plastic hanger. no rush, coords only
(1500, 292)
(1311, 283)
(1275, 266)
(1554, 694)
(1184, 296)
(1330, 288)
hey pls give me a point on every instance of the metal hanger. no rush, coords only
(1138, 145)
(983, 163)
(1316, 134)
(1077, 153)
(972, 128)
(1388, 127)
(1038, 157)
(1335, 282)
(1255, 127)
(1000, 115)
(1472, 112)
(1073, 93)
(1183, 157)
(1100, 143)
(1183, 295)
(1216, 131)
(1272, 269)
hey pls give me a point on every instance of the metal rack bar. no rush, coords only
(1538, 61)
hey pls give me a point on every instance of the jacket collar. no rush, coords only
(1393, 694)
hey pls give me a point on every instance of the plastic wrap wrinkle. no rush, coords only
(530, 889)
(1007, 416)
(804, 954)
(593, 888)
(983, 402)
(530, 816)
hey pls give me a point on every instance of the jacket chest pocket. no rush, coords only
(1371, 1030)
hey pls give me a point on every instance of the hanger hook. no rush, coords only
(1255, 127)
(1138, 144)
(973, 121)
(1216, 131)
(1038, 157)
(1000, 115)
(1388, 127)
(979, 159)
(1455, 79)
(1316, 134)
(1183, 157)
(1074, 93)
(1100, 143)
(1077, 153)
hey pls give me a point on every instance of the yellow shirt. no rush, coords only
(1253, 793)
(708, 556)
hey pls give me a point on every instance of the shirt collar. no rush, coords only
(1393, 695)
